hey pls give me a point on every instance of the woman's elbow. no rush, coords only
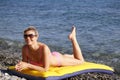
(46, 69)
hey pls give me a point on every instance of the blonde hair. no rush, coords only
(31, 28)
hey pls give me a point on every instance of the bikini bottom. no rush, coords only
(57, 54)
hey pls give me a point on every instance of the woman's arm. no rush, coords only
(23, 65)
(24, 56)
(46, 57)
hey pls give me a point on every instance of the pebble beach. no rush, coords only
(10, 54)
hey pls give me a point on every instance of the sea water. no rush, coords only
(97, 22)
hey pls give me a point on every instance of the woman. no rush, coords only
(37, 55)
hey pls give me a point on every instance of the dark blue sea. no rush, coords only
(97, 22)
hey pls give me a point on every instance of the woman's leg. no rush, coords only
(76, 48)
(77, 57)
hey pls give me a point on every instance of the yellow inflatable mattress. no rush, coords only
(58, 73)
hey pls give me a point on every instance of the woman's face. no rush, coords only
(30, 37)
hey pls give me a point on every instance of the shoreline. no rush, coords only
(10, 54)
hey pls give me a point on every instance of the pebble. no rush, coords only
(6, 76)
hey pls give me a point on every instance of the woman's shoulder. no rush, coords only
(24, 46)
(43, 45)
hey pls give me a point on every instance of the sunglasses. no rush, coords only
(29, 35)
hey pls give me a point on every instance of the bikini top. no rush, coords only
(29, 60)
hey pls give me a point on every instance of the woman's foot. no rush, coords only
(72, 35)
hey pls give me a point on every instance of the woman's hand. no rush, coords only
(21, 66)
